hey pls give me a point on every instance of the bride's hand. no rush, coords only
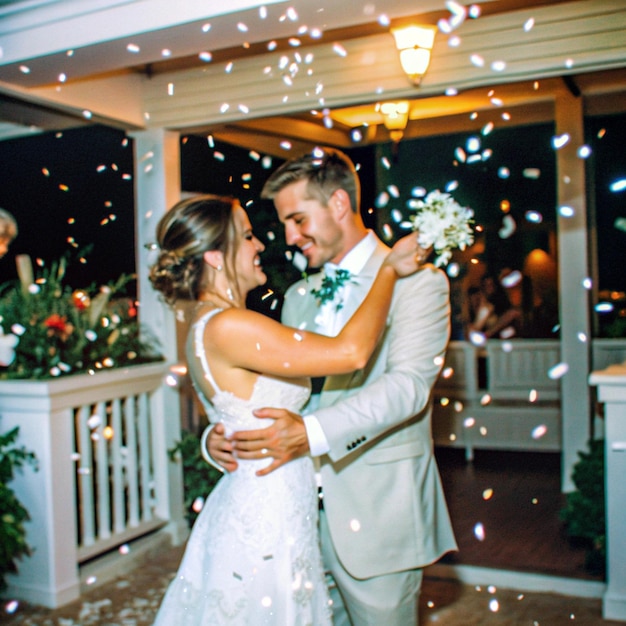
(407, 256)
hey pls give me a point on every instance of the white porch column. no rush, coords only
(157, 188)
(573, 297)
(611, 384)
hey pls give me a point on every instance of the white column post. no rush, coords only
(611, 384)
(157, 188)
(573, 297)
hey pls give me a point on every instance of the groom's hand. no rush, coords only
(284, 440)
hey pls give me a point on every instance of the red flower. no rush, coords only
(58, 325)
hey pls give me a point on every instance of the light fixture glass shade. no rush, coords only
(415, 61)
(395, 114)
(415, 44)
(395, 118)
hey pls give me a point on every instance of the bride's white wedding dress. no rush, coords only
(253, 557)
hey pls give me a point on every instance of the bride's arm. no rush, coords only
(242, 338)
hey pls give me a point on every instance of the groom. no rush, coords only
(384, 515)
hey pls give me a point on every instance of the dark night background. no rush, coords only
(74, 192)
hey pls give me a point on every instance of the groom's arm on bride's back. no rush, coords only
(417, 338)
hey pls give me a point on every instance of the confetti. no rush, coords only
(479, 531)
(11, 606)
(558, 371)
(559, 141)
(340, 50)
(618, 185)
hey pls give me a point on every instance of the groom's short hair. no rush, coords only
(325, 169)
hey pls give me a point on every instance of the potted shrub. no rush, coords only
(13, 515)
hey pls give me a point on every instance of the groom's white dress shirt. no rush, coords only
(332, 317)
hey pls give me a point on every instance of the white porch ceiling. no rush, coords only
(66, 63)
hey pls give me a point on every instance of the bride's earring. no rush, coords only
(219, 268)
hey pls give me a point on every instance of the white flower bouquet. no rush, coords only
(442, 224)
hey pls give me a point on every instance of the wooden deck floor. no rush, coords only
(518, 526)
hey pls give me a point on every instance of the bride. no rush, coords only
(253, 556)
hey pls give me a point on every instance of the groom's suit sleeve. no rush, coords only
(387, 393)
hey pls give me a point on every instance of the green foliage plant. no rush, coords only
(584, 512)
(48, 329)
(12, 513)
(199, 477)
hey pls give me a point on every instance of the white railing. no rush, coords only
(502, 395)
(607, 352)
(499, 396)
(104, 478)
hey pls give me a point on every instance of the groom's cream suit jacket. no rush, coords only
(382, 492)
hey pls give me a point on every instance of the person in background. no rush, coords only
(8, 231)
(384, 516)
(490, 310)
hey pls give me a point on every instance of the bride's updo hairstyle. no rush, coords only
(189, 229)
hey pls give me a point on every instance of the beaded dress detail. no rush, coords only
(253, 556)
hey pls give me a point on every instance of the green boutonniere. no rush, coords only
(329, 287)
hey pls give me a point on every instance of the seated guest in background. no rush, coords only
(8, 231)
(490, 310)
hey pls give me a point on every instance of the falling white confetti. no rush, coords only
(618, 185)
(534, 217)
(532, 173)
(558, 141)
(94, 421)
(604, 307)
(558, 371)
(479, 531)
(478, 339)
(508, 227)
(340, 50)
(512, 279)
(539, 431)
